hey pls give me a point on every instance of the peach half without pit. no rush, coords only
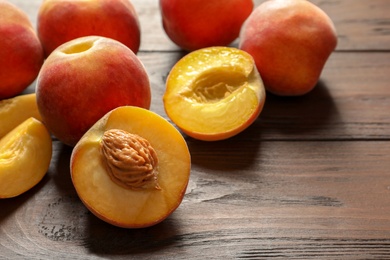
(214, 93)
(25, 155)
(13, 111)
(131, 169)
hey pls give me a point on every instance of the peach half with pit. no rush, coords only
(131, 168)
(84, 79)
(13, 111)
(214, 93)
(25, 155)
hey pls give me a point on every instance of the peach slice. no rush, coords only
(131, 168)
(25, 155)
(14, 111)
(214, 93)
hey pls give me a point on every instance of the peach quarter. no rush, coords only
(25, 155)
(13, 111)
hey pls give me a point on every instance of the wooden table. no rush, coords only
(309, 179)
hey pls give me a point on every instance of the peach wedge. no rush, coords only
(14, 111)
(131, 168)
(214, 93)
(25, 155)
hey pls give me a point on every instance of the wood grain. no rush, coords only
(288, 199)
(309, 179)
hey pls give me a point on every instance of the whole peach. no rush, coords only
(60, 21)
(195, 24)
(21, 54)
(290, 41)
(85, 78)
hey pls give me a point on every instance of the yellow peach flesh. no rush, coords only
(214, 92)
(25, 155)
(118, 205)
(14, 111)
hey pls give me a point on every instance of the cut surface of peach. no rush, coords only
(214, 93)
(25, 155)
(131, 169)
(14, 111)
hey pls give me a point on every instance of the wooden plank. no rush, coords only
(351, 101)
(310, 179)
(248, 199)
(361, 24)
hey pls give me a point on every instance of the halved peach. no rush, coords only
(25, 155)
(14, 111)
(131, 168)
(214, 93)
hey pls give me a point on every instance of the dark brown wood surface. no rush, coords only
(309, 179)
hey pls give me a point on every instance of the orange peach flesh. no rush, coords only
(125, 207)
(25, 155)
(14, 111)
(214, 93)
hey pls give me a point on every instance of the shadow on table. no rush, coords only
(10, 205)
(105, 239)
(303, 117)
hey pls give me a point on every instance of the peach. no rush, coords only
(214, 93)
(290, 41)
(196, 24)
(84, 79)
(60, 21)
(131, 168)
(21, 52)
(14, 111)
(25, 155)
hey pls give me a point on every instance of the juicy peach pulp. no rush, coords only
(119, 205)
(84, 79)
(61, 21)
(20, 51)
(214, 93)
(25, 155)
(195, 24)
(14, 111)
